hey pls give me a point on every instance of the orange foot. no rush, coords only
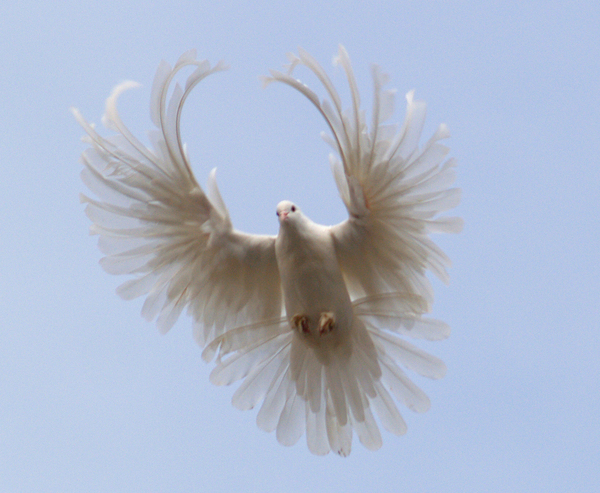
(300, 322)
(326, 323)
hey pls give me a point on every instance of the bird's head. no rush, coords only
(288, 212)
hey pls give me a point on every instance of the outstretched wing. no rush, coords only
(392, 188)
(156, 223)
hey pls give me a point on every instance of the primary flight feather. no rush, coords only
(313, 320)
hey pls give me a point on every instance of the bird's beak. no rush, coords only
(283, 215)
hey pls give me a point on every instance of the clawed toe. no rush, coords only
(300, 322)
(326, 323)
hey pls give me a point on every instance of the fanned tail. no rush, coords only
(330, 400)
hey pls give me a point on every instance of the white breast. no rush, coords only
(310, 275)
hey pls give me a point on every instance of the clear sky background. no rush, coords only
(93, 398)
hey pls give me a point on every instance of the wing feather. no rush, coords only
(157, 224)
(393, 189)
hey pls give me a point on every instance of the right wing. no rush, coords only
(157, 224)
(393, 190)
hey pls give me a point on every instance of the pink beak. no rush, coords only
(283, 215)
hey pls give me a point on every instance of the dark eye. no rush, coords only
(277, 213)
(293, 208)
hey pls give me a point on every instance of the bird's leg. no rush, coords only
(300, 322)
(326, 323)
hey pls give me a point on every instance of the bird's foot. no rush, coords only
(300, 322)
(326, 323)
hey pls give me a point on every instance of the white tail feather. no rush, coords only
(327, 400)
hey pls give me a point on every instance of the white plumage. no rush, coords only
(312, 320)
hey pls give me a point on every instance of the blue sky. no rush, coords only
(93, 398)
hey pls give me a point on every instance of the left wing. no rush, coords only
(156, 223)
(392, 189)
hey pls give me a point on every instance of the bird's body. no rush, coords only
(312, 320)
(313, 286)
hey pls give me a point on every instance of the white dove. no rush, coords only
(310, 320)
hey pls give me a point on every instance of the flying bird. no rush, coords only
(313, 321)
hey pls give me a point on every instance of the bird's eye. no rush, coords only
(277, 212)
(293, 208)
